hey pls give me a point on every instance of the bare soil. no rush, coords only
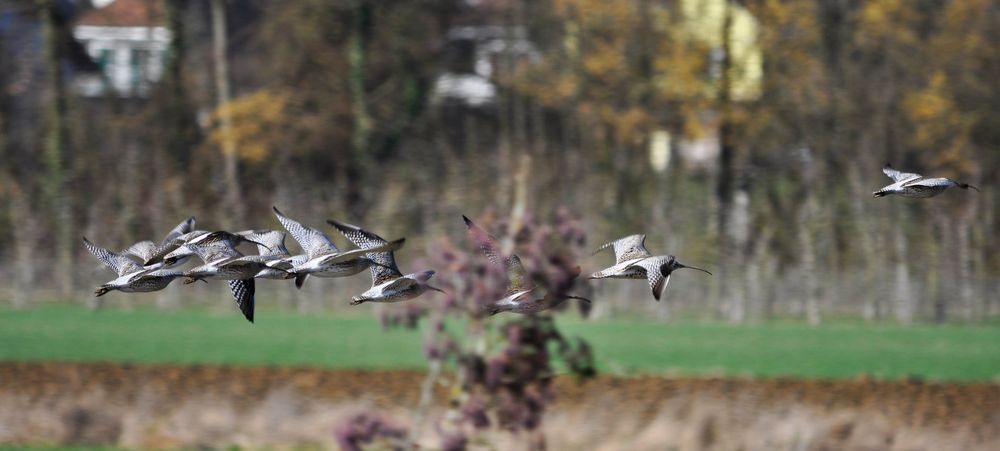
(161, 406)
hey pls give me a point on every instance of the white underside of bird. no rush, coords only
(399, 289)
(916, 186)
(624, 270)
(144, 281)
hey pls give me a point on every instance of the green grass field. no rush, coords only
(70, 333)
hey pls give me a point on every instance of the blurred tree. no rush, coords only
(234, 194)
(55, 25)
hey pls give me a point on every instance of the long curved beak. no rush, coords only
(436, 289)
(692, 267)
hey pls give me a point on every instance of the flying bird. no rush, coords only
(272, 252)
(132, 278)
(634, 261)
(388, 283)
(224, 261)
(323, 259)
(908, 184)
(151, 252)
(518, 297)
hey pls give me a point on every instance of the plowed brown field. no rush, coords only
(142, 406)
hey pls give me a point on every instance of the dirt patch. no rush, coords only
(162, 406)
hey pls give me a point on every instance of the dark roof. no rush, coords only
(126, 13)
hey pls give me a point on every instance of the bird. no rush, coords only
(273, 253)
(224, 261)
(634, 261)
(175, 248)
(148, 250)
(324, 259)
(132, 278)
(518, 297)
(388, 283)
(912, 185)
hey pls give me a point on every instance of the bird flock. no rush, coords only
(147, 266)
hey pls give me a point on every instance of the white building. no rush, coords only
(128, 39)
(495, 49)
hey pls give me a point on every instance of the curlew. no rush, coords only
(634, 261)
(151, 252)
(518, 297)
(915, 185)
(388, 283)
(223, 261)
(323, 259)
(132, 278)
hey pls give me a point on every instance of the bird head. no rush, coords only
(672, 265)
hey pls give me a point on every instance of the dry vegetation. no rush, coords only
(140, 406)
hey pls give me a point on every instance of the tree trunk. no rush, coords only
(56, 146)
(807, 250)
(180, 131)
(903, 302)
(361, 133)
(234, 195)
(963, 255)
(727, 170)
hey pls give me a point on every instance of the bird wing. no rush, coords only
(897, 176)
(657, 281)
(358, 253)
(186, 226)
(271, 242)
(171, 245)
(145, 250)
(517, 279)
(214, 246)
(628, 248)
(384, 267)
(313, 241)
(399, 284)
(243, 293)
(929, 182)
(119, 263)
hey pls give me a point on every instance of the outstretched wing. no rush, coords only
(384, 263)
(930, 182)
(314, 242)
(897, 176)
(145, 250)
(243, 294)
(657, 281)
(628, 248)
(186, 226)
(118, 262)
(517, 279)
(271, 243)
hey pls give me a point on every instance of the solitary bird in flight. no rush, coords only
(633, 261)
(915, 185)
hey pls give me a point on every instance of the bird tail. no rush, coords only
(300, 279)
(102, 290)
(881, 193)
